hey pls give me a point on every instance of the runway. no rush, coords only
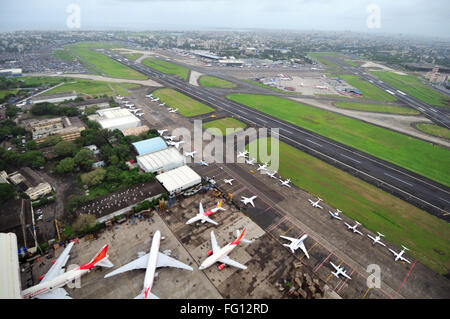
(413, 188)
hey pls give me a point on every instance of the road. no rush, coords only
(413, 188)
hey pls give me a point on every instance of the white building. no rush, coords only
(115, 118)
(179, 179)
(160, 161)
(10, 287)
(39, 191)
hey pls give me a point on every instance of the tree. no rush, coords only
(6, 192)
(66, 166)
(65, 148)
(51, 140)
(11, 111)
(30, 145)
(84, 159)
(84, 223)
(93, 178)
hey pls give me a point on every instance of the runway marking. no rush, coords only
(268, 208)
(284, 233)
(262, 120)
(314, 143)
(444, 200)
(398, 179)
(352, 159)
(274, 226)
(319, 266)
(238, 191)
(407, 275)
(367, 291)
(286, 131)
(343, 284)
(309, 250)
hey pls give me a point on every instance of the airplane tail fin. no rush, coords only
(219, 205)
(101, 259)
(236, 242)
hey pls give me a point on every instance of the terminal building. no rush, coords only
(161, 161)
(115, 118)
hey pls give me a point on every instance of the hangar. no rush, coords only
(149, 146)
(115, 118)
(160, 161)
(179, 179)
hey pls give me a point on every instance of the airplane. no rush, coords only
(162, 104)
(191, 154)
(218, 254)
(51, 284)
(139, 114)
(135, 110)
(339, 271)
(296, 243)
(155, 100)
(285, 183)
(247, 201)
(176, 144)
(173, 111)
(228, 181)
(161, 132)
(242, 154)
(353, 228)
(172, 137)
(149, 95)
(316, 204)
(129, 105)
(204, 216)
(400, 254)
(251, 161)
(271, 175)
(336, 215)
(263, 167)
(154, 259)
(203, 163)
(377, 239)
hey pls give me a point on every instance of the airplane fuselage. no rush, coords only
(211, 260)
(151, 266)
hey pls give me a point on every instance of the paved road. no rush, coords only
(415, 189)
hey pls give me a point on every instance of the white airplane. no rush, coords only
(336, 214)
(135, 111)
(176, 144)
(377, 239)
(228, 181)
(154, 259)
(149, 95)
(162, 104)
(171, 137)
(161, 132)
(251, 161)
(262, 167)
(316, 204)
(173, 111)
(129, 105)
(247, 201)
(339, 271)
(155, 100)
(400, 254)
(242, 154)
(203, 163)
(119, 97)
(204, 216)
(285, 183)
(139, 114)
(191, 154)
(218, 254)
(271, 175)
(296, 243)
(353, 228)
(51, 284)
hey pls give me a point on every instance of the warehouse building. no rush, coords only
(149, 146)
(161, 161)
(135, 130)
(115, 118)
(53, 98)
(179, 179)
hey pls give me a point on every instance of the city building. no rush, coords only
(10, 72)
(3, 177)
(115, 118)
(40, 190)
(149, 146)
(161, 161)
(68, 128)
(179, 179)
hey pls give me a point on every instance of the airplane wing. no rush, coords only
(370, 237)
(209, 220)
(215, 246)
(345, 275)
(357, 231)
(335, 267)
(251, 202)
(404, 259)
(289, 238)
(140, 263)
(166, 261)
(228, 261)
(57, 268)
(320, 206)
(302, 246)
(395, 254)
(58, 293)
(381, 243)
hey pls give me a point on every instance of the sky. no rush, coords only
(409, 17)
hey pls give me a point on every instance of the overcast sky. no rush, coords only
(413, 17)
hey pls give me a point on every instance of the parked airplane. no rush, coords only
(262, 167)
(339, 271)
(316, 204)
(247, 201)
(135, 111)
(204, 216)
(154, 259)
(129, 105)
(377, 239)
(161, 132)
(400, 254)
(149, 95)
(336, 214)
(285, 183)
(228, 181)
(251, 161)
(176, 144)
(203, 163)
(171, 137)
(353, 228)
(51, 284)
(218, 254)
(242, 154)
(155, 100)
(139, 114)
(119, 97)
(162, 104)
(271, 175)
(173, 111)
(191, 154)
(296, 243)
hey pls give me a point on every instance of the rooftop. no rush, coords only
(150, 145)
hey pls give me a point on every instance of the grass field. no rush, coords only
(167, 67)
(352, 63)
(321, 58)
(219, 127)
(402, 223)
(93, 87)
(101, 64)
(213, 82)
(369, 91)
(63, 55)
(411, 153)
(42, 80)
(434, 130)
(378, 108)
(132, 56)
(186, 106)
(414, 87)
